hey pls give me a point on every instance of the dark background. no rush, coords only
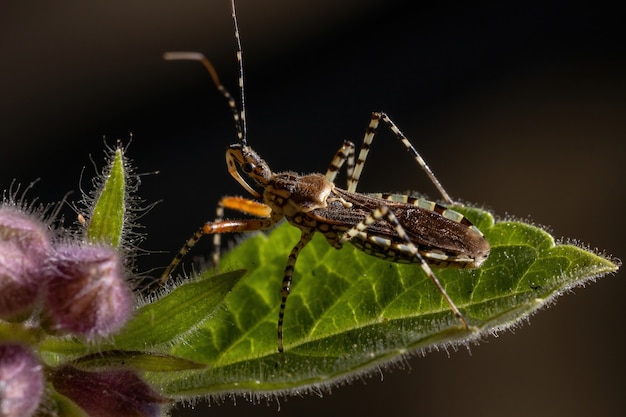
(520, 108)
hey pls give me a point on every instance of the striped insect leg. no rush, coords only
(353, 180)
(305, 238)
(345, 154)
(225, 226)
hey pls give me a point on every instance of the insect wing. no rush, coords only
(443, 236)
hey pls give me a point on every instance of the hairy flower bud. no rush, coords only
(24, 247)
(86, 292)
(113, 393)
(21, 381)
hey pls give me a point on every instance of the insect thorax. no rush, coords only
(290, 194)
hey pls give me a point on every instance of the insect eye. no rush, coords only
(247, 167)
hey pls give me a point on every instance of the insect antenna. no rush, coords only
(239, 115)
(243, 137)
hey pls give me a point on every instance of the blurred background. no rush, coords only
(517, 107)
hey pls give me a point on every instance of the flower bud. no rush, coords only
(24, 247)
(21, 381)
(86, 292)
(113, 393)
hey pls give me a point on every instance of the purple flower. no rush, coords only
(113, 393)
(21, 381)
(86, 292)
(24, 247)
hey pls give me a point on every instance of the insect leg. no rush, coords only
(343, 155)
(220, 226)
(367, 141)
(305, 238)
(385, 213)
(243, 205)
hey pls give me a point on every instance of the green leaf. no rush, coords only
(349, 312)
(107, 220)
(177, 313)
(146, 361)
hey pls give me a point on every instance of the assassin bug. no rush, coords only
(393, 227)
